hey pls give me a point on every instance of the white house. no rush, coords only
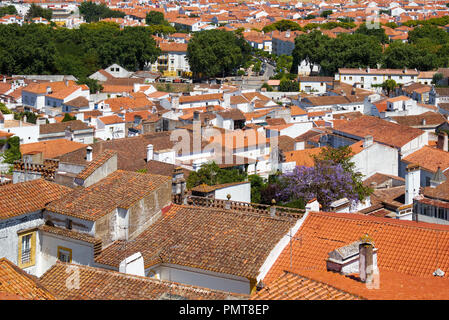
(110, 127)
(365, 78)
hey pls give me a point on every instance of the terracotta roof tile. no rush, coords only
(96, 163)
(120, 189)
(385, 132)
(15, 283)
(25, 197)
(218, 240)
(102, 284)
(429, 158)
(290, 286)
(52, 148)
(75, 125)
(408, 254)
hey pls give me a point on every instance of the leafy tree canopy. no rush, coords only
(93, 12)
(211, 174)
(213, 53)
(8, 10)
(36, 11)
(155, 18)
(68, 117)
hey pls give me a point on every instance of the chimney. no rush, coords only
(412, 182)
(367, 262)
(287, 34)
(228, 202)
(196, 115)
(66, 82)
(49, 90)
(367, 141)
(368, 70)
(41, 121)
(174, 101)
(150, 152)
(69, 133)
(442, 141)
(438, 178)
(89, 153)
(423, 122)
(227, 100)
(312, 205)
(273, 208)
(133, 265)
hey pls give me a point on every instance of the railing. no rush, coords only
(47, 170)
(248, 207)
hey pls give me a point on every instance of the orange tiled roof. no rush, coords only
(16, 283)
(302, 157)
(25, 197)
(290, 286)
(52, 148)
(429, 158)
(385, 132)
(112, 285)
(408, 253)
(120, 189)
(225, 241)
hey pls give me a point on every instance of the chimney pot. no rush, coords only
(150, 152)
(89, 154)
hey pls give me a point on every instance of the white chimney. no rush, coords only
(367, 259)
(174, 101)
(89, 153)
(367, 141)
(227, 100)
(133, 265)
(150, 152)
(412, 182)
(49, 90)
(313, 205)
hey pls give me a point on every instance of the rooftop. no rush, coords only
(25, 197)
(219, 240)
(120, 189)
(112, 285)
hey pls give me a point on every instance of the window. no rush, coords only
(27, 249)
(322, 83)
(64, 254)
(375, 78)
(427, 181)
(350, 78)
(362, 79)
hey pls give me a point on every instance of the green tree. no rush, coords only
(282, 25)
(325, 13)
(93, 84)
(4, 109)
(257, 185)
(213, 53)
(68, 117)
(379, 33)
(211, 174)
(267, 86)
(8, 10)
(155, 18)
(437, 77)
(389, 86)
(36, 11)
(288, 86)
(13, 152)
(93, 12)
(343, 157)
(431, 32)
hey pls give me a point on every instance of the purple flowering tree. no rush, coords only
(326, 182)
